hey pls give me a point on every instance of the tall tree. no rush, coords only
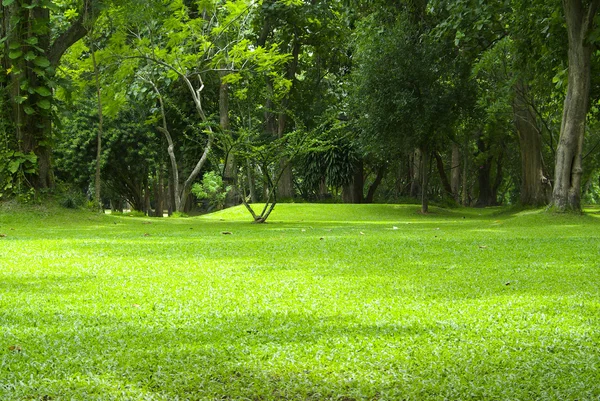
(580, 17)
(32, 50)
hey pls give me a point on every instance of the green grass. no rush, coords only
(323, 302)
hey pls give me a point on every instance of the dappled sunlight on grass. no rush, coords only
(477, 304)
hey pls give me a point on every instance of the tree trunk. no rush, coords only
(486, 191)
(251, 182)
(425, 183)
(568, 170)
(353, 192)
(181, 191)
(285, 188)
(97, 182)
(373, 187)
(498, 179)
(455, 173)
(159, 193)
(323, 190)
(31, 114)
(147, 207)
(534, 186)
(442, 172)
(230, 170)
(170, 196)
(416, 177)
(465, 182)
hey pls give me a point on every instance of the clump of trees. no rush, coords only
(277, 100)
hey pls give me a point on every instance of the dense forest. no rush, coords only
(186, 105)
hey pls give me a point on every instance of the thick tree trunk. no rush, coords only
(455, 172)
(31, 117)
(32, 123)
(567, 181)
(285, 187)
(486, 192)
(534, 186)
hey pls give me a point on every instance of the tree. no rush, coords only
(580, 17)
(406, 84)
(31, 51)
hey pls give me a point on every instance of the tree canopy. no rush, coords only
(355, 101)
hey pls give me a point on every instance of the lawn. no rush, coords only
(325, 302)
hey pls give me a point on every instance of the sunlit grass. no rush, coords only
(323, 302)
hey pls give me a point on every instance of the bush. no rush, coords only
(211, 190)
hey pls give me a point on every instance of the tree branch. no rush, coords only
(78, 29)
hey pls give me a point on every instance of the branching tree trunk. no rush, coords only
(567, 181)
(182, 190)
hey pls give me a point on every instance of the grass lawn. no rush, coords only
(325, 302)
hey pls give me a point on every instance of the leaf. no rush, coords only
(30, 157)
(71, 14)
(29, 110)
(41, 61)
(15, 54)
(43, 91)
(13, 166)
(44, 104)
(30, 55)
(6, 3)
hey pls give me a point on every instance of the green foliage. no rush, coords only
(212, 190)
(405, 86)
(15, 167)
(71, 198)
(330, 160)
